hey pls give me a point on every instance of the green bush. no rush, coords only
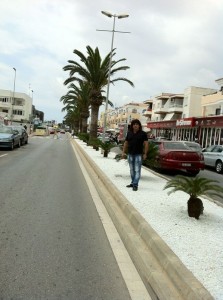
(84, 137)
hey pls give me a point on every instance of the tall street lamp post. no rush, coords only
(31, 115)
(110, 15)
(13, 96)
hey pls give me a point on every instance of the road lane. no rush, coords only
(52, 243)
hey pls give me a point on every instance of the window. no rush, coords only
(18, 112)
(4, 100)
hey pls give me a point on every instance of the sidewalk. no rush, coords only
(198, 243)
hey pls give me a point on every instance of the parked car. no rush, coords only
(193, 145)
(175, 155)
(213, 157)
(62, 131)
(23, 134)
(9, 137)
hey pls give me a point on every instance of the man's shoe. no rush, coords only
(135, 188)
(129, 185)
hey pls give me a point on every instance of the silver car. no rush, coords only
(213, 157)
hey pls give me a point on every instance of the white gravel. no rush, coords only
(198, 243)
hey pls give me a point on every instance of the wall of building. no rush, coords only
(192, 103)
(17, 107)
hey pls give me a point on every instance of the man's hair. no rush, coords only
(135, 121)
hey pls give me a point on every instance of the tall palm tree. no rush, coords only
(79, 96)
(95, 71)
(73, 119)
(194, 187)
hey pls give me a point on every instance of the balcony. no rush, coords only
(161, 110)
(176, 108)
(148, 112)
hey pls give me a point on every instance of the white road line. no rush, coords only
(3, 155)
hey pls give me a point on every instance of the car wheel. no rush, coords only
(26, 142)
(12, 145)
(219, 166)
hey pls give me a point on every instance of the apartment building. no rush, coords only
(124, 115)
(15, 107)
(212, 104)
(201, 117)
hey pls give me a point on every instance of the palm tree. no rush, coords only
(79, 97)
(151, 160)
(72, 118)
(106, 146)
(95, 71)
(194, 187)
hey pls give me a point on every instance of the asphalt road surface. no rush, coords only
(52, 242)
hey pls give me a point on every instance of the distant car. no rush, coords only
(175, 155)
(62, 131)
(9, 138)
(51, 130)
(213, 157)
(23, 134)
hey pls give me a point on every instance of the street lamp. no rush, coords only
(13, 96)
(110, 15)
(32, 107)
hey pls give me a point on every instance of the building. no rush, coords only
(15, 107)
(179, 116)
(212, 104)
(201, 117)
(124, 115)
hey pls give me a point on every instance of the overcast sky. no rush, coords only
(172, 44)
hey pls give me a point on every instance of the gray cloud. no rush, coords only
(172, 45)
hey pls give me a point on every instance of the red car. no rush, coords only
(176, 155)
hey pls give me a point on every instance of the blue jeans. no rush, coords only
(135, 163)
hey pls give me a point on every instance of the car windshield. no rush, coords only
(175, 146)
(193, 146)
(18, 128)
(5, 130)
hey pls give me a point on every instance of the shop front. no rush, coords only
(206, 130)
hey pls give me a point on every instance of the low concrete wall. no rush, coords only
(161, 270)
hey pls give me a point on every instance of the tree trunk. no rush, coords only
(84, 118)
(195, 207)
(106, 153)
(94, 121)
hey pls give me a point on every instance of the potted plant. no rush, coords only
(194, 187)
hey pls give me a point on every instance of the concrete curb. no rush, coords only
(162, 272)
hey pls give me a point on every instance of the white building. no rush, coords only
(15, 106)
(169, 106)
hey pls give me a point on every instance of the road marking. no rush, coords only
(3, 155)
(136, 287)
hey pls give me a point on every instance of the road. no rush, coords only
(52, 242)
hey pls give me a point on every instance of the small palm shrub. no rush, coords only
(95, 143)
(194, 187)
(151, 160)
(106, 146)
(84, 137)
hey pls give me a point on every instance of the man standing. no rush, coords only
(136, 143)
